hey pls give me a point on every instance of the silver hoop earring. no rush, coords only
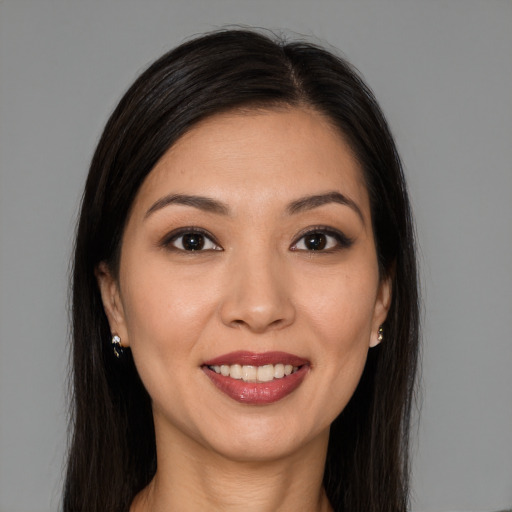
(116, 346)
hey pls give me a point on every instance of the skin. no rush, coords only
(256, 287)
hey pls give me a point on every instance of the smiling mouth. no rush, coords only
(250, 373)
(257, 379)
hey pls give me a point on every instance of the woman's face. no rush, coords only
(249, 253)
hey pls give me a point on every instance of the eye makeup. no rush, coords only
(191, 239)
(314, 239)
(321, 239)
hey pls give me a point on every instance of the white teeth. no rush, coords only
(279, 371)
(265, 373)
(235, 371)
(249, 373)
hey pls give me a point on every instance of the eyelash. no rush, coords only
(178, 233)
(342, 241)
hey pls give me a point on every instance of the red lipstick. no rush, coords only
(257, 393)
(251, 358)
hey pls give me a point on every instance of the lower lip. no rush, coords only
(257, 393)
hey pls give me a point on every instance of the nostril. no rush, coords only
(253, 325)
(243, 307)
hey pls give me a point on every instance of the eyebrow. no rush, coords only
(202, 203)
(210, 205)
(310, 202)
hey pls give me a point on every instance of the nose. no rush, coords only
(257, 295)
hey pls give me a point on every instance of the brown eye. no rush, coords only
(326, 240)
(315, 241)
(192, 241)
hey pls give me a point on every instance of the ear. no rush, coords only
(380, 312)
(109, 289)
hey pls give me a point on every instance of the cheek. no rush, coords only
(339, 310)
(341, 305)
(165, 311)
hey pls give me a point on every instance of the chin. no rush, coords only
(264, 440)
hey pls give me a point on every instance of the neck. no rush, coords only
(192, 478)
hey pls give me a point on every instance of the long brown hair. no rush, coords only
(112, 453)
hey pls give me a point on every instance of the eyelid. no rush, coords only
(344, 242)
(176, 233)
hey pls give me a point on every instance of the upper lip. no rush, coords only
(243, 357)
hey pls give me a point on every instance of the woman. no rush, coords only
(245, 310)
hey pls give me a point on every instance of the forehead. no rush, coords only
(258, 155)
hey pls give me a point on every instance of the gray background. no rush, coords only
(442, 71)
